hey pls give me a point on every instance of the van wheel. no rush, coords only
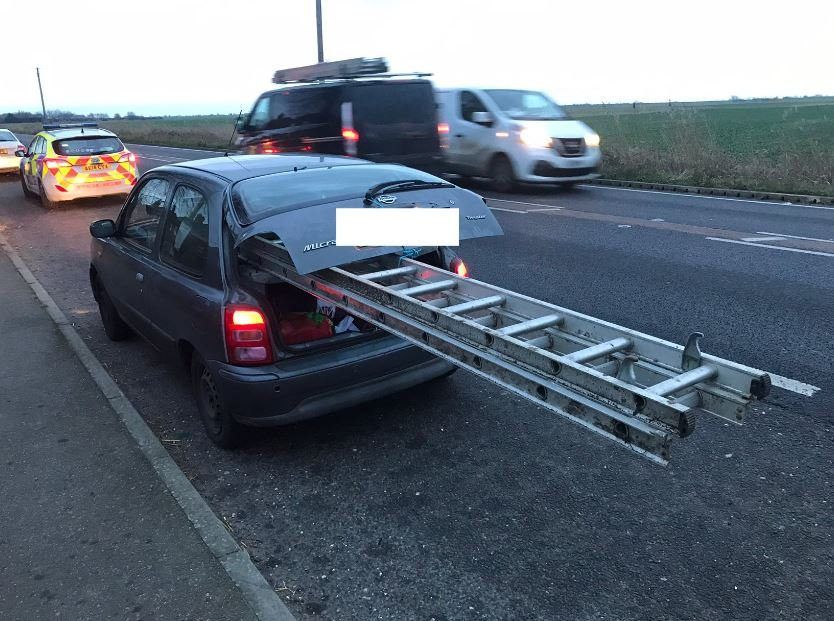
(220, 426)
(45, 202)
(26, 191)
(501, 173)
(114, 326)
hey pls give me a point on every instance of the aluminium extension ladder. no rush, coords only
(635, 389)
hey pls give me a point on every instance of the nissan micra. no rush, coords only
(260, 353)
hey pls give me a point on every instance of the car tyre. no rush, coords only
(220, 425)
(45, 202)
(26, 191)
(114, 326)
(502, 175)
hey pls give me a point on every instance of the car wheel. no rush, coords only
(220, 425)
(114, 326)
(502, 175)
(45, 202)
(26, 191)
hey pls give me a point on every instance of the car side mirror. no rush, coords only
(21, 153)
(103, 228)
(482, 118)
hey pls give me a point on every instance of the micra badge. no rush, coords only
(481, 217)
(319, 245)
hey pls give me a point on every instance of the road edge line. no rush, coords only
(261, 598)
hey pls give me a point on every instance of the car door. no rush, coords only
(470, 143)
(128, 270)
(187, 287)
(30, 162)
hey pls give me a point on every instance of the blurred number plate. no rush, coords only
(95, 167)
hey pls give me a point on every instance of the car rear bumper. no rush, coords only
(311, 386)
(87, 190)
(9, 163)
(429, 162)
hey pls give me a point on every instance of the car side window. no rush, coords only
(141, 221)
(185, 234)
(469, 105)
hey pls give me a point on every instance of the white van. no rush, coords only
(514, 136)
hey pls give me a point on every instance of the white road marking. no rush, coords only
(504, 200)
(744, 243)
(658, 220)
(800, 388)
(759, 239)
(717, 198)
(548, 209)
(623, 226)
(828, 241)
(507, 210)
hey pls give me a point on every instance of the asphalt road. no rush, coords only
(459, 501)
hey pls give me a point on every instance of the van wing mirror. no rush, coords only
(103, 228)
(482, 118)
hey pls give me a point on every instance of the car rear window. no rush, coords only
(93, 145)
(394, 103)
(261, 196)
(6, 136)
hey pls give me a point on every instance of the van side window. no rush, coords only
(260, 114)
(469, 104)
(186, 231)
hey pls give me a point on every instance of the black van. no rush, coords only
(382, 120)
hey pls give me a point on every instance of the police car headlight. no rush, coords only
(592, 140)
(535, 138)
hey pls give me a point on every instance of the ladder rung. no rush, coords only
(531, 325)
(608, 368)
(397, 271)
(684, 380)
(486, 320)
(475, 305)
(544, 342)
(431, 287)
(600, 350)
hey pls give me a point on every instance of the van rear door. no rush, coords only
(396, 121)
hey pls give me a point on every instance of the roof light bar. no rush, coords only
(350, 68)
(50, 126)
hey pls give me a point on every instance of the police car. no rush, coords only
(65, 162)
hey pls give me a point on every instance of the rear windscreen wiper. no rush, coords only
(403, 185)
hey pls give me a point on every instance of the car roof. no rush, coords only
(78, 132)
(235, 168)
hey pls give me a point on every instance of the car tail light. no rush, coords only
(128, 157)
(351, 135)
(442, 128)
(20, 147)
(247, 336)
(459, 267)
(54, 163)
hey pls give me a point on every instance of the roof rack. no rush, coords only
(338, 70)
(52, 126)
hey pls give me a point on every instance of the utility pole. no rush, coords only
(40, 88)
(318, 31)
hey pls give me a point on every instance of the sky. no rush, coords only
(213, 56)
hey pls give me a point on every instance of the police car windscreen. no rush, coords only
(6, 136)
(260, 197)
(93, 145)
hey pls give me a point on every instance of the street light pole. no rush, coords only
(40, 88)
(318, 31)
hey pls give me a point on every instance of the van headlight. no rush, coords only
(592, 140)
(535, 138)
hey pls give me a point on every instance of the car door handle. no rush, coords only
(140, 277)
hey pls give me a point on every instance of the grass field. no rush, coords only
(781, 146)
(774, 145)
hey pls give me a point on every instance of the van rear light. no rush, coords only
(442, 128)
(459, 267)
(247, 336)
(351, 135)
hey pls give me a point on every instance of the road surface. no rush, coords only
(460, 501)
